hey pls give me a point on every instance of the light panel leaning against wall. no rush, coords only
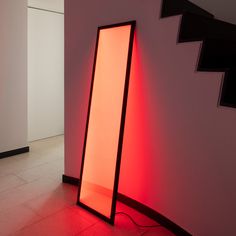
(177, 155)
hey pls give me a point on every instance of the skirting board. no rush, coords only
(14, 152)
(145, 210)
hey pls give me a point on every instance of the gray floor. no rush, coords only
(34, 201)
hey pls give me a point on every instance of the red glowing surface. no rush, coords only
(100, 156)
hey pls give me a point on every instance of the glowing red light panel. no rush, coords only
(105, 122)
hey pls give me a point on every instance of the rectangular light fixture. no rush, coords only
(105, 121)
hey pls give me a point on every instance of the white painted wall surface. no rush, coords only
(224, 10)
(53, 5)
(179, 147)
(13, 74)
(45, 74)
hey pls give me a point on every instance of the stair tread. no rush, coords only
(204, 27)
(228, 93)
(218, 52)
(177, 7)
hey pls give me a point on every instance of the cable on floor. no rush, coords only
(135, 223)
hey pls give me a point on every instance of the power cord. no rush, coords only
(135, 223)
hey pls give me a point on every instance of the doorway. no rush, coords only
(45, 73)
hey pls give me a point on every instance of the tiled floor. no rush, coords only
(34, 201)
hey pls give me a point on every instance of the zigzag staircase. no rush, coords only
(218, 52)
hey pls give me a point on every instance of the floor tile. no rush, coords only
(85, 214)
(48, 204)
(20, 163)
(136, 216)
(16, 218)
(46, 170)
(158, 232)
(26, 192)
(35, 202)
(10, 181)
(104, 229)
(63, 223)
(68, 192)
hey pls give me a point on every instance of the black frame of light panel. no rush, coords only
(122, 123)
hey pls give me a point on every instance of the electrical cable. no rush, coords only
(135, 223)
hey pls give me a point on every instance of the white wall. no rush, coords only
(45, 74)
(179, 147)
(13, 74)
(224, 10)
(53, 5)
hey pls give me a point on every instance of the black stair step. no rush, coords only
(195, 27)
(218, 51)
(177, 7)
(217, 55)
(228, 93)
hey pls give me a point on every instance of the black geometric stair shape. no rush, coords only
(218, 52)
(228, 94)
(196, 27)
(217, 55)
(178, 7)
